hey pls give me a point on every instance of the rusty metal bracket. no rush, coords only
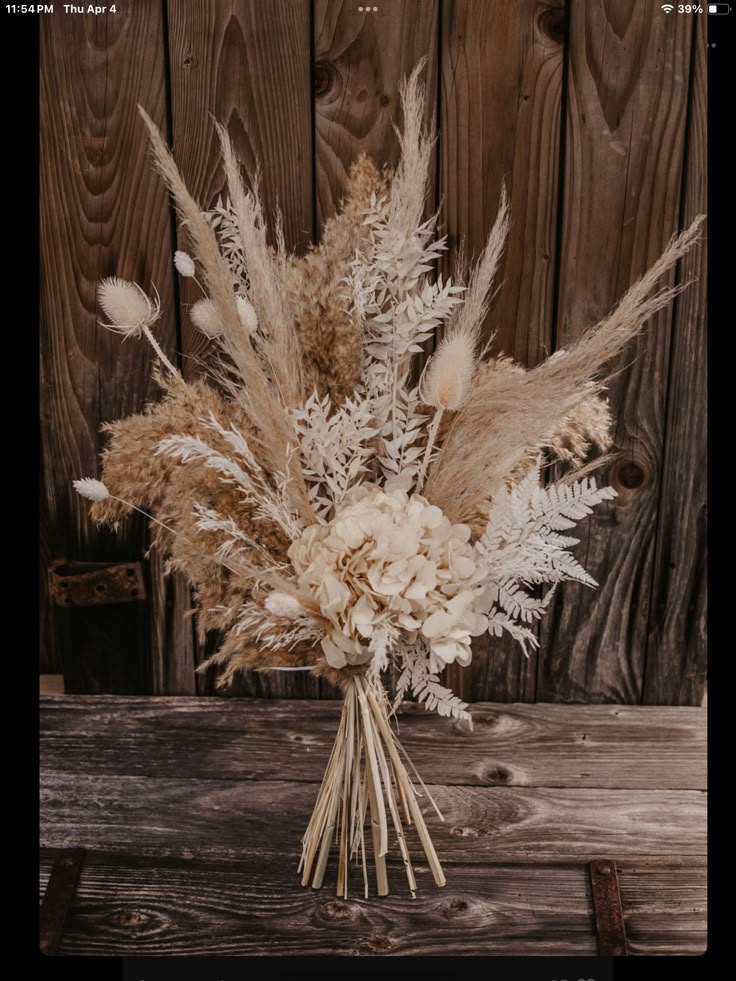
(609, 914)
(58, 898)
(96, 583)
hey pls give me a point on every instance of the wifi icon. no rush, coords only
(668, 8)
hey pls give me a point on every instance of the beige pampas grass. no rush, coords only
(508, 416)
(478, 294)
(279, 343)
(274, 440)
(410, 182)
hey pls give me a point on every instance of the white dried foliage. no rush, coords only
(522, 547)
(335, 447)
(419, 676)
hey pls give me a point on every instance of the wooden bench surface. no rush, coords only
(191, 810)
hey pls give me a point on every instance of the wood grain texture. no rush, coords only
(96, 186)
(676, 648)
(634, 747)
(360, 58)
(184, 856)
(665, 909)
(247, 65)
(626, 113)
(225, 820)
(124, 905)
(500, 122)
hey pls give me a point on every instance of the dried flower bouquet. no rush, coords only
(331, 515)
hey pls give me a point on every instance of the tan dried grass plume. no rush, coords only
(274, 441)
(508, 416)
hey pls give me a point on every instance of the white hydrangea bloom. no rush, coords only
(389, 559)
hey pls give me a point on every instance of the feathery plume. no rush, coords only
(205, 318)
(247, 314)
(93, 490)
(446, 379)
(184, 264)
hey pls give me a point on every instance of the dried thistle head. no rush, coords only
(127, 306)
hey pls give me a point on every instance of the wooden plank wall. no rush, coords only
(593, 113)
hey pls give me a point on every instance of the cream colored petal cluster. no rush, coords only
(389, 559)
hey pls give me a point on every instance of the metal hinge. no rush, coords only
(609, 914)
(96, 583)
(58, 898)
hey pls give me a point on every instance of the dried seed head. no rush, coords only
(205, 318)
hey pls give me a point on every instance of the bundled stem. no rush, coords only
(365, 776)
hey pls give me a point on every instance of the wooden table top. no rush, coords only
(190, 812)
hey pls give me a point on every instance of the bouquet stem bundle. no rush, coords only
(365, 778)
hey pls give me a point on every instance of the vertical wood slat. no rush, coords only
(500, 121)
(247, 64)
(676, 651)
(621, 205)
(95, 182)
(365, 55)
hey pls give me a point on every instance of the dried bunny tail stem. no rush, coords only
(275, 432)
(510, 414)
(280, 341)
(411, 180)
(215, 270)
(477, 297)
(95, 490)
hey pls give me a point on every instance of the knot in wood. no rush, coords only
(336, 910)
(498, 774)
(324, 77)
(629, 475)
(552, 23)
(378, 943)
(455, 906)
(128, 918)
(458, 832)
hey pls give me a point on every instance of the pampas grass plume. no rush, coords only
(126, 305)
(93, 490)
(204, 317)
(184, 264)
(449, 373)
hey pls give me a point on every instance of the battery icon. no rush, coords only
(719, 8)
